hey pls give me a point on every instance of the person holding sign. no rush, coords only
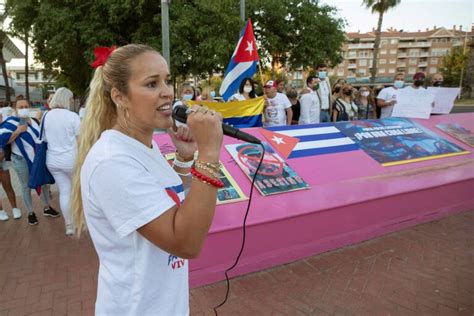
(387, 98)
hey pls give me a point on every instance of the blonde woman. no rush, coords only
(61, 128)
(365, 104)
(131, 198)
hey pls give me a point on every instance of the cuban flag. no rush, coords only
(242, 64)
(297, 141)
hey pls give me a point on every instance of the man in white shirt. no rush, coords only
(310, 105)
(277, 106)
(324, 92)
(388, 96)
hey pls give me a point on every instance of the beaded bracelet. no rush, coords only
(208, 180)
(214, 165)
(199, 165)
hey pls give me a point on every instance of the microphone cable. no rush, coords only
(243, 233)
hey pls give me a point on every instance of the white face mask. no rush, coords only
(23, 113)
(247, 89)
(365, 93)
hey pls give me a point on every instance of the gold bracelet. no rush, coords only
(214, 165)
(199, 165)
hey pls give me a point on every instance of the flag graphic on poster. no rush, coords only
(457, 131)
(274, 176)
(243, 62)
(314, 139)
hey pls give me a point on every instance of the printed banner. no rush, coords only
(274, 176)
(393, 141)
(457, 131)
(231, 191)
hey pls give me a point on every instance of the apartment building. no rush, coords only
(400, 51)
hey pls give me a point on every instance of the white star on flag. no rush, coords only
(249, 47)
(278, 140)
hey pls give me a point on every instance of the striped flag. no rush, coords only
(315, 139)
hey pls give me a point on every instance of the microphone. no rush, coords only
(180, 114)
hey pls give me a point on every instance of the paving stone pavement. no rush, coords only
(424, 270)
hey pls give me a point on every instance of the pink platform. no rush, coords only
(352, 198)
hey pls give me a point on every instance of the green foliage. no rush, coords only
(380, 6)
(203, 33)
(452, 66)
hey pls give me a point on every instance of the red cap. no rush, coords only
(270, 84)
(419, 75)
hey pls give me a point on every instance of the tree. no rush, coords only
(379, 6)
(452, 65)
(23, 14)
(3, 64)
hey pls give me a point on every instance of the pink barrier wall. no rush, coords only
(352, 198)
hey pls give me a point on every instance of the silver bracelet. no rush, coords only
(183, 174)
(183, 164)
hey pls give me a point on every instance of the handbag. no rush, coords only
(39, 173)
(342, 115)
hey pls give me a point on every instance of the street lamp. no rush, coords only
(165, 30)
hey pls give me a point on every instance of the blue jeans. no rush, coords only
(21, 169)
(324, 116)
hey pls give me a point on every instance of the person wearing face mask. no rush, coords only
(324, 92)
(344, 108)
(437, 80)
(418, 81)
(335, 90)
(365, 104)
(246, 90)
(187, 93)
(208, 95)
(310, 104)
(387, 97)
(24, 137)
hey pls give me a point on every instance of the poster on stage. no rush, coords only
(394, 141)
(457, 131)
(413, 103)
(443, 99)
(274, 176)
(231, 191)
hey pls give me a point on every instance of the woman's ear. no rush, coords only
(117, 97)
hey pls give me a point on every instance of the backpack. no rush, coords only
(341, 112)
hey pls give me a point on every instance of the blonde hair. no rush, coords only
(61, 99)
(101, 113)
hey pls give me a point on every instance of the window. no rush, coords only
(382, 61)
(382, 71)
(383, 52)
(411, 70)
(340, 72)
(393, 51)
(391, 71)
(298, 75)
(434, 61)
(383, 42)
(412, 61)
(20, 76)
(361, 71)
(393, 41)
(363, 62)
(433, 70)
(393, 61)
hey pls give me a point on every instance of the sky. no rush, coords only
(409, 15)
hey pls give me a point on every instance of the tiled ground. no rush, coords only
(424, 270)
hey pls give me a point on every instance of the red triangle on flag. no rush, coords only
(282, 143)
(247, 50)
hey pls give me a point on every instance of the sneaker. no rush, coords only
(51, 212)
(69, 230)
(16, 213)
(3, 216)
(32, 220)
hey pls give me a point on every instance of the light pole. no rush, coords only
(462, 68)
(242, 10)
(165, 30)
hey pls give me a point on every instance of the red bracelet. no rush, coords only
(203, 178)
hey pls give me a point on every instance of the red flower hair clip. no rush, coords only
(102, 53)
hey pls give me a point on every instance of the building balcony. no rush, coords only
(361, 46)
(351, 66)
(414, 44)
(423, 64)
(401, 64)
(402, 55)
(425, 54)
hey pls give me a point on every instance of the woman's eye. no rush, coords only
(151, 84)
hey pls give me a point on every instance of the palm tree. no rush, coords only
(3, 38)
(380, 6)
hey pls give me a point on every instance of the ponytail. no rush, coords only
(100, 115)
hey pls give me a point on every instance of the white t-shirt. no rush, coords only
(387, 94)
(126, 185)
(310, 108)
(82, 113)
(61, 127)
(275, 112)
(324, 92)
(237, 97)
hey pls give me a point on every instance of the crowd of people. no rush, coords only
(318, 101)
(22, 128)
